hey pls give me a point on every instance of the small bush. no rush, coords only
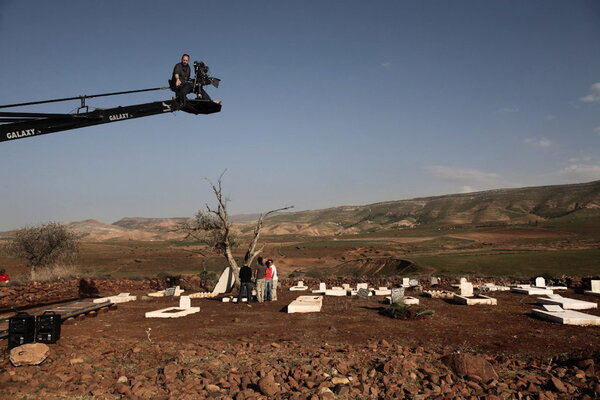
(400, 310)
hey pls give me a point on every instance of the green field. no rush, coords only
(514, 264)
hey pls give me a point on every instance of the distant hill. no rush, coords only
(492, 207)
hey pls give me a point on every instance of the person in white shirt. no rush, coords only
(275, 280)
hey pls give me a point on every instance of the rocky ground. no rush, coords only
(349, 350)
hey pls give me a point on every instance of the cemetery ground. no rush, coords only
(348, 350)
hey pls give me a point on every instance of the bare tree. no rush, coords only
(44, 245)
(212, 228)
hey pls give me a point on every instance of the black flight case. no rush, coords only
(21, 329)
(47, 327)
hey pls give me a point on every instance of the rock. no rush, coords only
(340, 380)
(212, 388)
(76, 361)
(469, 364)
(29, 354)
(267, 385)
(326, 394)
(558, 384)
(122, 379)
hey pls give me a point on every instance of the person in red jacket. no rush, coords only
(4, 278)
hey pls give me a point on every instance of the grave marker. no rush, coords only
(540, 282)
(170, 292)
(397, 294)
(435, 281)
(363, 293)
(466, 289)
(413, 283)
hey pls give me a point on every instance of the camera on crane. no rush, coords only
(202, 78)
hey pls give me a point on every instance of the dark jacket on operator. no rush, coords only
(182, 71)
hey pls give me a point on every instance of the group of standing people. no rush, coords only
(264, 276)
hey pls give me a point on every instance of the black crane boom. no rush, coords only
(17, 125)
(14, 125)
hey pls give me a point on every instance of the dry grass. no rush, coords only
(53, 273)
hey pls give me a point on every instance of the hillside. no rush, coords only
(493, 207)
(530, 205)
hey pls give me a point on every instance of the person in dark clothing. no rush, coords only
(245, 283)
(181, 83)
(261, 272)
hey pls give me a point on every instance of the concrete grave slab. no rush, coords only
(185, 308)
(346, 286)
(492, 287)
(408, 300)
(527, 289)
(566, 303)
(120, 298)
(305, 304)
(567, 317)
(439, 294)
(322, 288)
(299, 287)
(161, 293)
(382, 291)
(336, 292)
(475, 300)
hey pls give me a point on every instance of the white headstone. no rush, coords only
(463, 280)
(466, 289)
(185, 302)
(346, 286)
(225, 283)
(362, 286)
(405, 281)
(413, 283)
(300, 284)
(322, 286)
(595, 286)
(434, 280)
(540, 282)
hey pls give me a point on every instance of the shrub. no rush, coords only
(45, 245)
(399, 310)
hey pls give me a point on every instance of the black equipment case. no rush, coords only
(21, 329)
(47, 327)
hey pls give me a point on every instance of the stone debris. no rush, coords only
(29, 354)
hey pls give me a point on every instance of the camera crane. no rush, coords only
(17, 125)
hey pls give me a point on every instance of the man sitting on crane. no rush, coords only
(180, 81)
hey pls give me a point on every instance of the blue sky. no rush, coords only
(325, 103)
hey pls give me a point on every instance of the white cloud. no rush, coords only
(549, 117)
(467, 177)
(386, 64)
(467, 189)
(509, 110)
(539, 142)
(581, 172)
(597, 129)
(594, 94)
